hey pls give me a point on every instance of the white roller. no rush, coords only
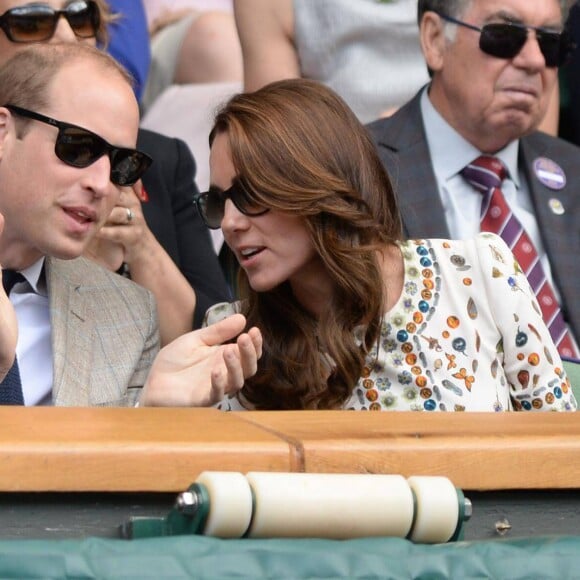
(230, 503)
(437, 509)
(330, 505)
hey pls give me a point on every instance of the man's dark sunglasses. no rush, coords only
(37, 22)
(212, 204)
(80, 148)
(506, 39)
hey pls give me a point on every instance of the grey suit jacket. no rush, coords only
(403, 148)
(104, 334)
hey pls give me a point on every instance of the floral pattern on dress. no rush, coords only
(465, 335)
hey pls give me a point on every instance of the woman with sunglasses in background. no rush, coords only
(351, 315)
(155, 234)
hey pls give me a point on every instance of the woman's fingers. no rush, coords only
(250, 350)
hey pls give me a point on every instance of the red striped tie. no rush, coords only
(486, 175)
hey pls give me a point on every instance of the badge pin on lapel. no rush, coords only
(550, 174)
(556, 206)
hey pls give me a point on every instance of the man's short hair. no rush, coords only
(26, 77)
(450, 7)
(456, 8)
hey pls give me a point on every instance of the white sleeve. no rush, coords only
(532, 365)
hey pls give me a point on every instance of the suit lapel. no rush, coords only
(402, 146)
(559, 231)
(71, 334)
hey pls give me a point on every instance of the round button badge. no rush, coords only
(549, 173)
(556, 206)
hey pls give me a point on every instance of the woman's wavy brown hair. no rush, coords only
(297, 148)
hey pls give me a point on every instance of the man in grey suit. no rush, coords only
(493, 67)
(86, 336)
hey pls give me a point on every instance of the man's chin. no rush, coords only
(511, 128)
(520, 121)
(68, 251)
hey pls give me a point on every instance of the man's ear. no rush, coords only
(433, 41)
(6, 125)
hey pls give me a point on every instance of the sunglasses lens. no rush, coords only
(555, 47)
(502, 40)
(506, 41)
(128, 165)
(38, 23)
(550, 47)
(243, 202)
(78, 147)
(30, 24)
(83, 18)
(212, 207)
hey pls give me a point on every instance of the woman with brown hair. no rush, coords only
(351, 315)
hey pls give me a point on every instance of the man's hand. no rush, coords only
(197, 370)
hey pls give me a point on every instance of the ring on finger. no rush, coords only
(130, 215)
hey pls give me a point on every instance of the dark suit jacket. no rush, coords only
(174, 220)
(402, 146)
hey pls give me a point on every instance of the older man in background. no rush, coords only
(465, 156)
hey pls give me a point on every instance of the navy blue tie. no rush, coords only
(11, 386)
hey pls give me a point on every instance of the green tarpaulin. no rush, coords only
(210, 558)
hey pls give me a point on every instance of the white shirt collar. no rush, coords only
(35, 277)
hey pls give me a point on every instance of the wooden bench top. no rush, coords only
(164, 450)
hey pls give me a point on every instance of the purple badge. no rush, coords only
(549, 173)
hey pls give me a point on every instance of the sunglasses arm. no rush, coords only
(458, 22)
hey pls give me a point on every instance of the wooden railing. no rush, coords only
(164, 450)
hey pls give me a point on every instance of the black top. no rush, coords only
(173, 218)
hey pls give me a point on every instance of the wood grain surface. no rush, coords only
(164, 450)
(98, 449)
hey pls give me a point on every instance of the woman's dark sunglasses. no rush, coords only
(212, 204)
(80, 148)
(37, 22)
(506, 39)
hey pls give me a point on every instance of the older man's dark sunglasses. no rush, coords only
(506, 39)
(212, 204)
(38, 22)
(80, 147)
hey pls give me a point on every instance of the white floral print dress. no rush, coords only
(465, 335)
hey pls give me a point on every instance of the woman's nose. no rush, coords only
(233, 219)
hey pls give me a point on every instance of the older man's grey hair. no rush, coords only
(456, 8)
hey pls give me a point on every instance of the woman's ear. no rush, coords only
(433, 40)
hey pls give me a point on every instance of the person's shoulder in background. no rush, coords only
(129, 40)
